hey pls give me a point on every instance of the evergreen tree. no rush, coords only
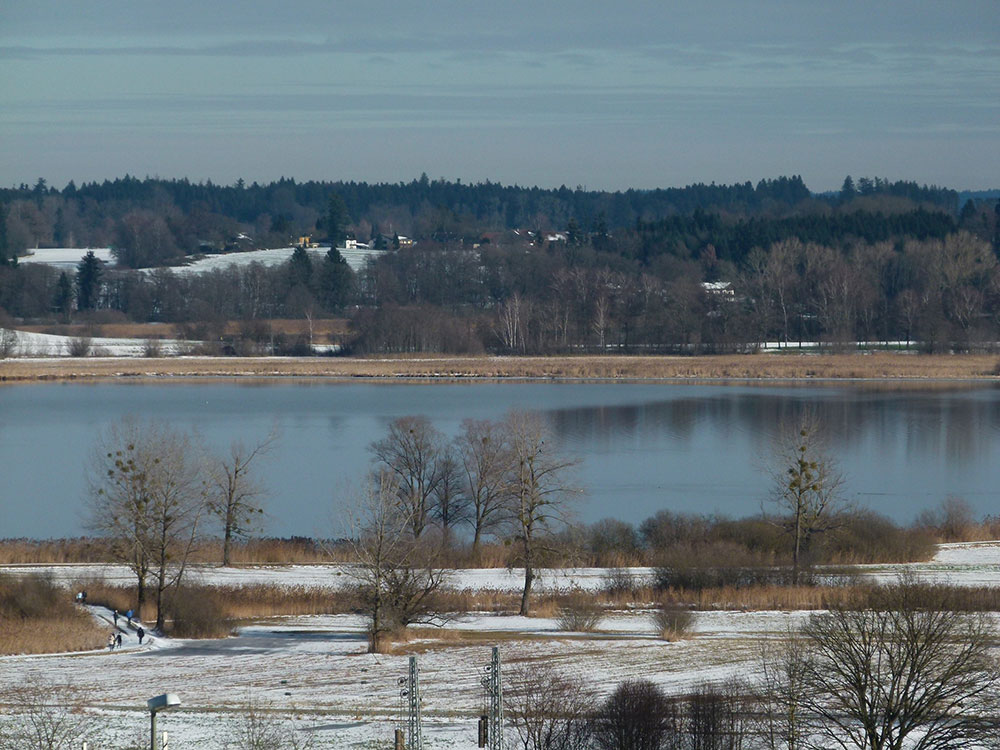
(968, 212)
(63, 300)
(337, 279)
(4, 251)
(336, 220)
(848, 191)
(88, 276)
(574, 237)
(300, 268)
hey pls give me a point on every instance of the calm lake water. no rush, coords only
(642, 447)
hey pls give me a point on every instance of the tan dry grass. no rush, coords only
(235, 602)
(95, 550)
(49, 636)
(877, 367)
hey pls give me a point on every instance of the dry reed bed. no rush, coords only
(21, 637)
(95, 550)
(36, 616)
(875, 366)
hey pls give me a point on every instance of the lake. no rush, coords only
(642, 447)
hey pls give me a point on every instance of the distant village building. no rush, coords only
(721, 289)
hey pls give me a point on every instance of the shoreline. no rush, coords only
(899, 368)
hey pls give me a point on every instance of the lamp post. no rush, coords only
(157, 704)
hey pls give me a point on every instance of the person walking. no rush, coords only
(141, 633)
(111, 642)
(116, 618)
(129, 616)
(118, 640)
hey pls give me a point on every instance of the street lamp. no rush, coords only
(157, 704)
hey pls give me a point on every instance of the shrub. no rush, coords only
(717, 564)
(619, 582)
(867, 537)
(637, 716)
(672, 622)
(152, 348)
(579, 612)
(193, 613)
(80, 346)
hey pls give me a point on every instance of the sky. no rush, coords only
(650, 93)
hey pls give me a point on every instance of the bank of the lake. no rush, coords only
(791, 366)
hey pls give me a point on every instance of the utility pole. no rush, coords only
(410, 694)
(415, 738)
(491, 735)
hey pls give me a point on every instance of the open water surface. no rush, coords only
(642, 447)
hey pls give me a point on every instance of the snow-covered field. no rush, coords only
(49, 345)
(65, 258)
(313, 671)
(355, 258)
(316, 668)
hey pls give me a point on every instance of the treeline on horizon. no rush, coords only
(527, 270)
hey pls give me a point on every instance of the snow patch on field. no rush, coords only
(66, 258)
(356, 259)
(29, 344)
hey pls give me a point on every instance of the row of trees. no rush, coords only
(154, 219)
(153, 489)
(498, 478)
(943, 293)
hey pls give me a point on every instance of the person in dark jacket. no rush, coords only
(141, 633)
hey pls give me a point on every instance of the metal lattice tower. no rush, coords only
(493, 687)
(414, 738)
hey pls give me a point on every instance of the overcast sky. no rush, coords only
(607, 95)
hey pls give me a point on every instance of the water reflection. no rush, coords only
(958, 427)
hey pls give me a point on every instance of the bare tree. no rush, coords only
(716, 717)
(396, 576)
(147, 499)
(43, 716)
(410, 452)
(806, 489)
(485, 456)
(539, 492)
(637, 716)
(236, 493)
(450, 503)
(781, 694)
(908, 671)
(259, 728)
(547, 710)
(512, 315)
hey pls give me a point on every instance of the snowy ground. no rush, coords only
(49, 345)
(65, 258)
(356, 259)
(314, 672)
(317, 668)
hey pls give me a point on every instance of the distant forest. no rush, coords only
(513, 269)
